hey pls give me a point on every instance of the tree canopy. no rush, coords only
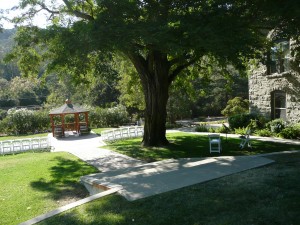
(161, 38)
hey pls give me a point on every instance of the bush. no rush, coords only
(291, 132)
(20, 120)
(241, 120)
(5, 127)
(223, 129)
(201, 128)
(276, 126)
(264, 133)
(236, 106)
(25, 121)
(240, 131)
(111, 117)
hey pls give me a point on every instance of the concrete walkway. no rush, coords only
(159, 177)
(88, 148)
(137, 179)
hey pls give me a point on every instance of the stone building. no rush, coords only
(274, 87)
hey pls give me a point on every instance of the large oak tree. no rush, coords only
(161, 38)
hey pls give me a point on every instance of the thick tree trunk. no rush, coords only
(154, 74)
(156, 96)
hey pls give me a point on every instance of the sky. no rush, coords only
(8, 4)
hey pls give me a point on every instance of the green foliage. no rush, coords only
(201, 128)
(20, 120)
(209, 85)
(236, 106)
(275, 126)
(24, 121)
(240, 120)
(240, 130)
(108, 117)
(290, 132)
(264, 133)
(223, 130)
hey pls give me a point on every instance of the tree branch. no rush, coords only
(44, 7)
(78, 13)
(179, 68)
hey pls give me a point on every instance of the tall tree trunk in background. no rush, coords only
(153, 73)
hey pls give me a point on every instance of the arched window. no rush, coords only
(278, 105)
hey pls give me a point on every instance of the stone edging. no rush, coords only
(69, 206)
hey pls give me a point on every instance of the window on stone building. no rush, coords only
(279, 57)
(278, 105)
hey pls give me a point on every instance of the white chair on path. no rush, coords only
(215, 143)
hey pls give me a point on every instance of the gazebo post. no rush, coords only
(77, 127)
(86, 117)
(63, 124)
(52, 124)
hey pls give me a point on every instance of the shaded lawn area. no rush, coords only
(184, 145)
(266, 195)
(35, 183)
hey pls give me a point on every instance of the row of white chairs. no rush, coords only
(22, 145)
(122, 133)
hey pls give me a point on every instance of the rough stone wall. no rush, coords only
(261, 85)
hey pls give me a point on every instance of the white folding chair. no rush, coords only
(35, 143)
(125, 132)
(132, 131)
(6, 147)
(25, 144)
(17, 145)
(215, 143)
(245, 139)
(140, 131)
(44, 143)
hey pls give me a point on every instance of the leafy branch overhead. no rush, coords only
(160, 38)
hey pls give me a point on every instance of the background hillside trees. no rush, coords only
(160, 38)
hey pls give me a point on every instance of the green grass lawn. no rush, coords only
(12, 137)
(35, 183)
(99, 130)
(266, 195)
(184, 145)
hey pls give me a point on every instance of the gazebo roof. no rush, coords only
(68, 108)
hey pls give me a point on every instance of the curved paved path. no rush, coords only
(88, 148)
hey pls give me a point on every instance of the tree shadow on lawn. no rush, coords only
(192, 146)
(64, 182)
(265, 195)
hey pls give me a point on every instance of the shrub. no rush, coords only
(110, 117)
(3, 114)
(20, 120)
(201, 128)
(264, 133)
(291, 132)
(223, 129)
(240, 120)
(236, 106)
(5, 127)
(240, 131)
(41, 121)
(276, 126)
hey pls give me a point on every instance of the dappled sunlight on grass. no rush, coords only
(266, 195)
(183, 145)
(35, 183)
